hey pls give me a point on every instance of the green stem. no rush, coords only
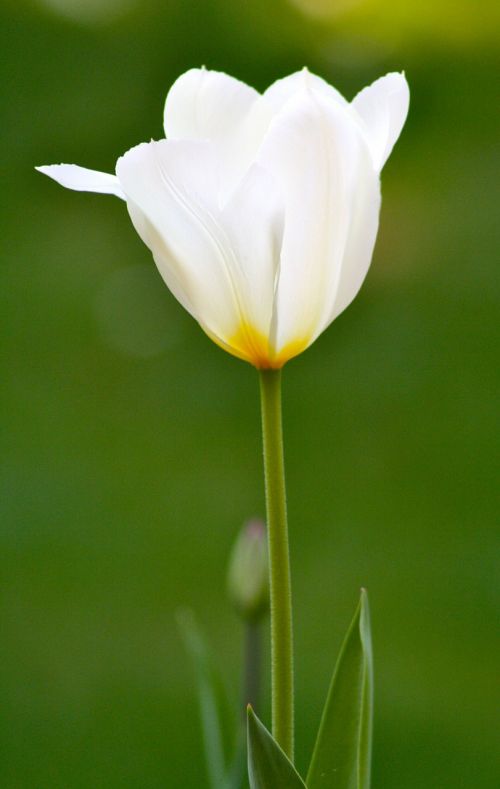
(279, 562)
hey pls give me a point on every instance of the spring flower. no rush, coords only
(261, 211)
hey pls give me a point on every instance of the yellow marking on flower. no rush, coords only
(290, 350)
(253, 346)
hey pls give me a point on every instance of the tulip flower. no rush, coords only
(260, 210)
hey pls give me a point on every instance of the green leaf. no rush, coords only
(342, 754)
(236, 773)
(268, 765)
(212, 701)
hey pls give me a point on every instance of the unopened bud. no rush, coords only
(248, 576)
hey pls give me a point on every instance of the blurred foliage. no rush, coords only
(131, 448)
(446, 22)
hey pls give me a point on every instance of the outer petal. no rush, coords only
(383, 107)
(253, 221)
(317, 152)
(360, 241)
(83, 180)
(219, 262)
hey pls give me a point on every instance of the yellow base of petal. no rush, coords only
(253, 346)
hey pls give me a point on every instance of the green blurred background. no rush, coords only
(131, 446)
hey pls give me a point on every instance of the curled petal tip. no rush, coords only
(81, 179)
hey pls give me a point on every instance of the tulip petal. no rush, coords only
(210, 105)
(82, 179)
(317, 153)
(359, 245)
(253, 220)
(219, 261)
(206, 105)
(171, 188)
(383, 107)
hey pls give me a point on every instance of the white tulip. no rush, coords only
(261, 211)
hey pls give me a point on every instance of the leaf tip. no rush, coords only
(363, 603)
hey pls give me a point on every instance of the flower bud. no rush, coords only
(248, 576)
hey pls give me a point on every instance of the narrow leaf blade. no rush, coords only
(342, 754)
(268, 765)
(212, 701)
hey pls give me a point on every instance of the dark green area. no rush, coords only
(131, 448)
